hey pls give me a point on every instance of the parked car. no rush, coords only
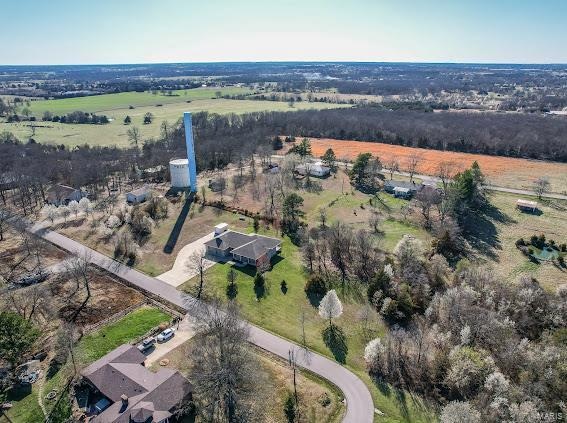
(32, 278)
(165, 335)
(146, 344)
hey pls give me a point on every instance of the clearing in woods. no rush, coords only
(501, 171)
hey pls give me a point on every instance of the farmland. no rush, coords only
(117, 106)
(500, 171)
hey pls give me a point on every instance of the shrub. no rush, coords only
(289, 408)
(520, 242)
(561, 261)
(283, 286)
(316, 285)
(259, 280)
(530, 251)
(563, 247)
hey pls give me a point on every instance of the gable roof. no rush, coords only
(229, 239)
(140, 191)
(257, 247)
(401, 184)
(150, 395)
(251, 246)
(59, 192)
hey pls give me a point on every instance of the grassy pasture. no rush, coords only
(115, 132)
(106, 102)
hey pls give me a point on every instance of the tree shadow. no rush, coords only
(482, 235)
(232, 291)
(314, 298)
(382, 386)
(176, 230)
(335, 340)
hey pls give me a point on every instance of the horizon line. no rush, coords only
(487, 63)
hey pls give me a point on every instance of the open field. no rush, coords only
(115, 132)
(498, 232)
(136, 104)
(501, 171)
(106, 102)
(277, 382)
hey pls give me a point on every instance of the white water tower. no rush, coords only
(179, 171)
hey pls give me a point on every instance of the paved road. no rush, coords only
(360, 407)
(181, 271)
(551, 195)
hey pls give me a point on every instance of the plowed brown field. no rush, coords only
(501, 171)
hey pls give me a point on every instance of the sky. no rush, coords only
(159, 31)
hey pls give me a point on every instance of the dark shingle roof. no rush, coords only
(149, 394)
(229, 239)
(257, 247)
(251, 246)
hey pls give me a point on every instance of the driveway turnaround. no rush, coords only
(360, 407)
(182, 270)
(181, 335)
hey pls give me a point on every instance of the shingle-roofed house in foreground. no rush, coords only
(137, 395)
(250, 249)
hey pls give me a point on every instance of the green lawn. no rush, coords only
(281, 312)
(130, 327)
(93, 346)
(106, 102)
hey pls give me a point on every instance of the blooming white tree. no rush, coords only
(372, 351)
(85, 205)
(330, 307)
(496, 383)
(51, 212)
(459, 412)
(409, 248)
(389, 270)
(64, 212)
(465, 335)
(74, 207)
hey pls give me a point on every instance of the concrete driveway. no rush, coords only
(180, 272)
(181, 335)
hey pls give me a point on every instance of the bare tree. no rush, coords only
(32, 303)
(375, 220)
(541, 186)
(78, 268)
(323, 216)
(412, 164)
(292, 361)
(225, 372)
(445, 171)
(4, 216)
(197, 263)
(424, 201)
(392, 164)
(134, 136)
